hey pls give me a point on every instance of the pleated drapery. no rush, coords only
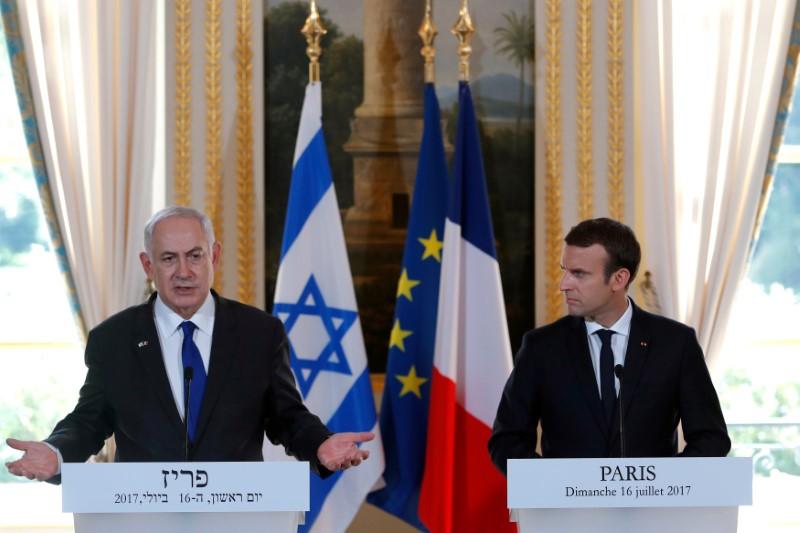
(710, 75)
(92, 76)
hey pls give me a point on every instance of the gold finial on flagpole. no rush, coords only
(313, 31)
(427, 32)
(463, 30)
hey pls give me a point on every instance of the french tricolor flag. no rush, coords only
(461, 489)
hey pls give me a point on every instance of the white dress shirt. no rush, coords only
(170, 336)
(619, 343)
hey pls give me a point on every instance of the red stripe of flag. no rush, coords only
(462, 490)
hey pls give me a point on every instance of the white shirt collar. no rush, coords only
(621, 327)
(169, 320)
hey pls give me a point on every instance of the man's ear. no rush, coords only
(147, 265)
(216, 254)
(620, 278)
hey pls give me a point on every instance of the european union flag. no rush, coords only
(406, 394)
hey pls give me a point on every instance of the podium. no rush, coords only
(177, 497)
(637, 494)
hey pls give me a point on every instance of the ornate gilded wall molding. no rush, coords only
(213, 92)
(553, 163)
(183, 101)
(584, 109)
(616, 111)
(244, 153)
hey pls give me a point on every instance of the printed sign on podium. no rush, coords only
(637, 494)
(207, 497)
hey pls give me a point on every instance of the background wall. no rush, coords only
(215, 139)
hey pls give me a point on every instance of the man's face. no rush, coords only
(587, 292)
(181, 267)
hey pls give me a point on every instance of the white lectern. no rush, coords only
(637, 494)
(177, 497)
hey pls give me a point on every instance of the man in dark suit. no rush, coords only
(188, 375)
(564, 374)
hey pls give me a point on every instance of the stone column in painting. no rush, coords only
(384, 144)
(387, 127)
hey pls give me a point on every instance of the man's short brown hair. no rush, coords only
(618, 240)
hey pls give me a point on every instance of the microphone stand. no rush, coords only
(618, 371)
(188, 374)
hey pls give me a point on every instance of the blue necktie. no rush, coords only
(607, 389)
(190, 355)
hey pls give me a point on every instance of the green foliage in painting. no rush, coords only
(342, 73)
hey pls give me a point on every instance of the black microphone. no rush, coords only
(188, 374)
(618, 371)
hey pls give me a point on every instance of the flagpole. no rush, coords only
(313, 31)
(427, 32)
(463, 30)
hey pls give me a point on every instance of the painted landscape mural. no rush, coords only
(372, 79)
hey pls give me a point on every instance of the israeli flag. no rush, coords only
(314, 297)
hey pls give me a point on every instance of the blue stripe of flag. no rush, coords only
(311, 178)
(352, 415)
(469, 201)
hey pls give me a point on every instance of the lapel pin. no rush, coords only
(142, 344)
(643, 344)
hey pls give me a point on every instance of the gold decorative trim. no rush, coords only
(463, 29)
(18, 61)
(616, 110)
(313, 30)
(427, 32)
(584, 110)
(183, 101)
(213, 89)
(553, 163)
(244, 153)
(788, 86)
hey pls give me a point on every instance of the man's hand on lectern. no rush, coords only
(38, 462)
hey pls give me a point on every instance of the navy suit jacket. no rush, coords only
(665, 381)
(250, 390)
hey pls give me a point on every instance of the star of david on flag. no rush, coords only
(336, 322)
(314, 297)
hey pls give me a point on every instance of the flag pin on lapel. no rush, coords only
(142, 344)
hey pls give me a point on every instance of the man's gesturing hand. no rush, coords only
(340, 450)
(38, 461)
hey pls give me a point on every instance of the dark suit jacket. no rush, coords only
(665, 380)
(250, 389)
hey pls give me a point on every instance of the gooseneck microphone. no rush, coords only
(188, 374)
(618, 371)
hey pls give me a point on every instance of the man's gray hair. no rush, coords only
(176, 211)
